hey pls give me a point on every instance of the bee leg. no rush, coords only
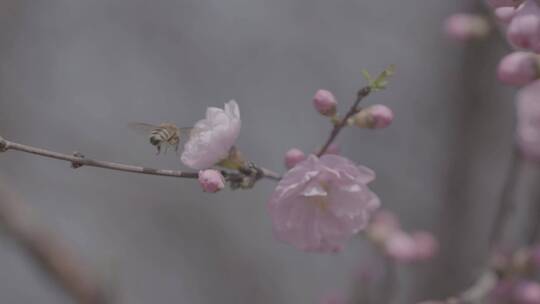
(165, 150)
(176, 148)
(158, 149)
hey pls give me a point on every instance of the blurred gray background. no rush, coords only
(74, 73)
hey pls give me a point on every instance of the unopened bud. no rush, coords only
(426, 245)
(374, 117)
(505, 14)
(211, 180)
(524, 29)
(401, 247)
(519, 68)
(293, 157)
(465, 27)
(325, 102)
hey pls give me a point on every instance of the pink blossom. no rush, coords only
(504, 3)
(505, 14)
(325, 102)
(426, 245)
(528, 120)
(212, 137)
(464, 27)
(401, 246)
(293, 157)
(527, 293)
(374, 117)
(518, 68)
(211, 180)
(524, 29)
(322, 202)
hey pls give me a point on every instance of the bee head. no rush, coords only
(154, 141)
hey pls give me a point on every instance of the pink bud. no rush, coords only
(383, 226)
(426, 245)
(527, 293)
(325, 102)
(374, 117)
(518, 68)
(293, 157)
(524, 29)
(504, 3)
(211, 180)
(464, 27)
(505, 14)
(528, 121)
(386, 218)
(401, 247)
(333, 149)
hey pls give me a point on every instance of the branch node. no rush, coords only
(3, 144)
(77, 164)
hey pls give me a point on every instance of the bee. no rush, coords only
(162, 135)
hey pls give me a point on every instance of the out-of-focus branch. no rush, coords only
(78, 160)
(364, 92)
(48, 252)
(475, 294)
(506, 201)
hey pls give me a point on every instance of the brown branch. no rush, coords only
(48, 253)
(78, 160)
(364, 92)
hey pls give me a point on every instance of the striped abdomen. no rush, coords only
(161, 135)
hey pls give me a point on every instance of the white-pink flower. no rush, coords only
(528, 122)
(212, 137)
(322, 202)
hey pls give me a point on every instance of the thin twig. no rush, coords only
(78, 160)
(506, 200)
(343, 122)
(48, 253)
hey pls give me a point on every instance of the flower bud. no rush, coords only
(518, 68)
(401, 247)
(527, 293)
(325, 102)
(504, 3)
(466, 27)
(426, 245)
(333, 149)
(383, 225)
(524, 29)
(374, 117)
(505, 14)
(211, 180)
(293, 157)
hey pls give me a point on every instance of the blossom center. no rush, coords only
(321, 201)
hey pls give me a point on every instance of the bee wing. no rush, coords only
(142, 128)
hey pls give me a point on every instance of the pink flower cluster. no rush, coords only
(385, 231)
(520, 19)
(322, 202)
